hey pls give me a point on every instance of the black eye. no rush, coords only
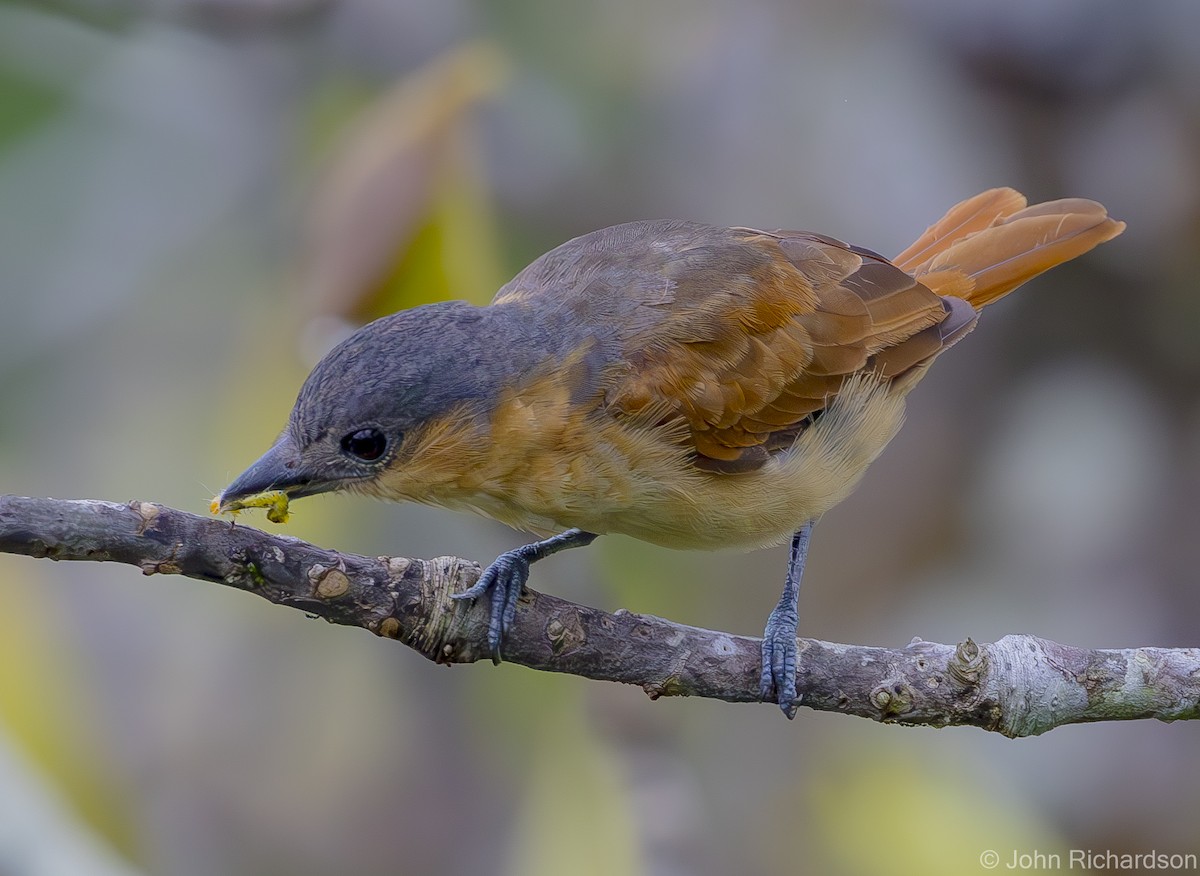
(365, 444)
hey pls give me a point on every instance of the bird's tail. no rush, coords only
(988, 245)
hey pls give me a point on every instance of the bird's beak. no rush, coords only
(277, 470)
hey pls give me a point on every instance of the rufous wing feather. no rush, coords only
(764, 330)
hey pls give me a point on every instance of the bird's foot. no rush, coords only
(779, 655)
(779, 649)
(505, 578)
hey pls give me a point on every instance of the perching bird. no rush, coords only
(691, 386)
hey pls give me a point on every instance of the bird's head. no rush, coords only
(364, 401)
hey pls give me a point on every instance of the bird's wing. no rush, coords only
(738, 336)
(761, 333)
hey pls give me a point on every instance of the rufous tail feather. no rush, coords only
(988, 245)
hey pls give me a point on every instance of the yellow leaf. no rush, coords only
(401, 214)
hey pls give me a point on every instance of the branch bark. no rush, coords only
(1019, 686)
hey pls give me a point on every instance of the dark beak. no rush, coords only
(277, 469)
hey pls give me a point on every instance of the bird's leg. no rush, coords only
(506, 578)
(779, 639)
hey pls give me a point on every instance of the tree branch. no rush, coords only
(1018, 686)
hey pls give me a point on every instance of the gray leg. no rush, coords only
(778, 680)
(506, 578)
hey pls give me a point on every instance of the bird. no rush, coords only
(692, 386)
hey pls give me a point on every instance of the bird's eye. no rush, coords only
(365, 444)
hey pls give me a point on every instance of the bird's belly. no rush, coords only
(633, 482)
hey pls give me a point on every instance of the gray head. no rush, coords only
(385, 381)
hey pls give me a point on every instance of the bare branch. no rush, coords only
(1018, 686)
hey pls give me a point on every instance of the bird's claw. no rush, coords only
(505, 578)
(779, 655)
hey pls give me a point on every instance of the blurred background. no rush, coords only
(197, 197)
